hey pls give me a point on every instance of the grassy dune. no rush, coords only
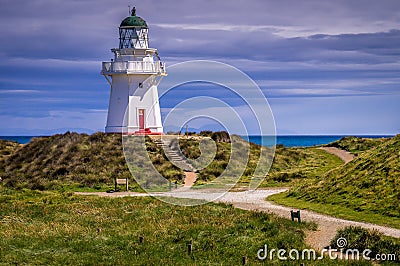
(74, 161)
(293, 166)
(69, 159)
(54, 228)
(366, 189)
(7, 148)
(290, 165)
(356, 145)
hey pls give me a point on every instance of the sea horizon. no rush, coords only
(265, 140)
(302, 140)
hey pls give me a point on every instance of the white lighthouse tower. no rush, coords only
(134, 74)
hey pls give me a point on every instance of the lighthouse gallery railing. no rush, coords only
(134, 67)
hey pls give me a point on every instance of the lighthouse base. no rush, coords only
(116, 129)
(146, 132)
(134, 130)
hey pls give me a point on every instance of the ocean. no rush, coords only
(287, 141)
(19, 139)
(301, 141)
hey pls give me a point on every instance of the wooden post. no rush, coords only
(190, 248)
(294, 215)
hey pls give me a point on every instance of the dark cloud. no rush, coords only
(51, 50)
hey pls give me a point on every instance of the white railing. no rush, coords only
(134, 67)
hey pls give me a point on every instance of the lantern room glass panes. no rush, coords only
(133, 38)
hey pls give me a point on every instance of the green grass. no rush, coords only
(68, 159)
(78, 161)
(356, 145)
(367, 186)
(335, 210)
(318, 180)
(294, 166)
(290, 166)
(59, 228)
(362, 239)
(242, 164)
(83, 162)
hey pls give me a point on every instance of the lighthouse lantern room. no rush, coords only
(133, 75)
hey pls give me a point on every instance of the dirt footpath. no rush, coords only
(190, 178)
(345, 156)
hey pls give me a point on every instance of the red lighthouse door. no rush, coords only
(141, 119)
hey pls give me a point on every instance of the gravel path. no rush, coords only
(342, 154)
(255, 200)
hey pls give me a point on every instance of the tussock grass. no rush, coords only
(67, 159)
(76, 161)
(7, 148)
(368, 186)
(362, 239)
(365, 189)
(356, 145)
(292, 166)
(83, 162)
(60, 228)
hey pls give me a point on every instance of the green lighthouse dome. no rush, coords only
(134, 21)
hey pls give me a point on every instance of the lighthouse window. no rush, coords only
(140, 85)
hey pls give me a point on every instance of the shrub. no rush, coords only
(361, 239)
(221, 136)
(206, 133)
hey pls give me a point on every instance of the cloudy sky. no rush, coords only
(326, 67)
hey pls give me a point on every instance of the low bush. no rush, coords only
(362, 239)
